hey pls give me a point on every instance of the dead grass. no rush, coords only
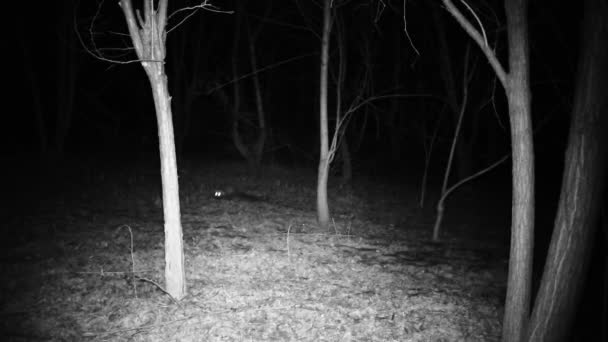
(87, 266)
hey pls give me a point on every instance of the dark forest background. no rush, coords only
(65, 103)
(112, 113)
(68, 103)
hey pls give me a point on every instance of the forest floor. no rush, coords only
(82, 260)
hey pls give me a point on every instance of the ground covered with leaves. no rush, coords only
(82, 260)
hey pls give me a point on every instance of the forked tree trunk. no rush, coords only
(149, 41)
(582, 187)
(517, 88)
(448, 168)
(323, 170)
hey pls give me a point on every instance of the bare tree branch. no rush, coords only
(479, 39)
(271, 66)
(127, 9)
(407, 34)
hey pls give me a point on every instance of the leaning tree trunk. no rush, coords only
(324, 160)
(582, 187)
(149, 42)
(517, 88)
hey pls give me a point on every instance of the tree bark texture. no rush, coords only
(149, 42)
(583, 184)
(174, 257)
(517, 305)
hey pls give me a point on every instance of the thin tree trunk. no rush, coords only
(347, 164)
(236, 91)
(339, 139)
(323, 170)
(448, 167)
(251, 151)
(463, 147)
(582, 187)
(257, 149)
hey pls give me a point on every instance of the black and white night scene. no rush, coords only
(304, 170)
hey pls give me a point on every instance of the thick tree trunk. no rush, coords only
(174, 257)
(323, 170)
(517, 88)
(582, 187)
(517, 305)
(149, 42)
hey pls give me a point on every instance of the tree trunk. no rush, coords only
(463, 147)
(323, 170)
(257, 150)
(582, 187)
(251, 148)
(517, 305)
(347, 163)
(174, 255)
(517, 88)
(149, 42)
